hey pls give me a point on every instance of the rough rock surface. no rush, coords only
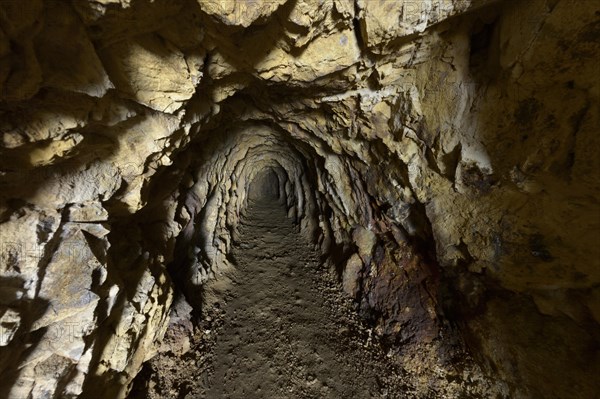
(440, 154)
(279, 327)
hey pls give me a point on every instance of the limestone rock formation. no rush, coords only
(440, 155)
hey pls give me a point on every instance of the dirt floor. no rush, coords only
(282, 329)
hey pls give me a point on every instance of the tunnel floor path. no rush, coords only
(277, 327)
(281, 338)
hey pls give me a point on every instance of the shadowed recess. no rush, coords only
(265, 187)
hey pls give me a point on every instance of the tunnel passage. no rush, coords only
(270, 220)
(265, 187)
(245, 163)
(280, 335)
(256, 265)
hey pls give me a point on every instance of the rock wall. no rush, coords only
(440, 153)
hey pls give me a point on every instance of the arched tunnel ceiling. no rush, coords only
(441, 156)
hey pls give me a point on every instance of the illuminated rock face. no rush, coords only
(440, 155)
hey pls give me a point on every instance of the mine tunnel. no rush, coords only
(324, 199)
(266, 187)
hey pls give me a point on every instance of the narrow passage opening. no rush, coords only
(264, 187)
